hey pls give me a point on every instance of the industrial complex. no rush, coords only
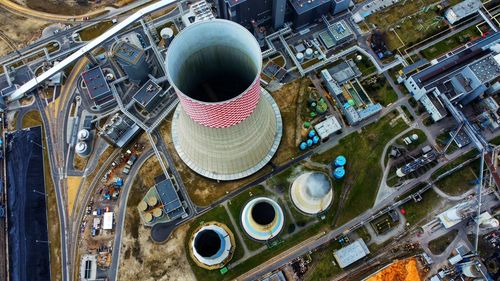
(250, 140)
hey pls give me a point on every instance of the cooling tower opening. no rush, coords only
(263, 213)
(207, 243)
(216, 73)
(214, 61)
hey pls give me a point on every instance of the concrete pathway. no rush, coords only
(237, 230)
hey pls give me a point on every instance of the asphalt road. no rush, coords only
(28, 233)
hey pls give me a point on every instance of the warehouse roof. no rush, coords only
(351, 253)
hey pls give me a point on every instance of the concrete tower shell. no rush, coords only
(226, 126)
(259, 231)
(312, 193)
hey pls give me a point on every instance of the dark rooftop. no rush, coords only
(96, 83)
(147, 93)
(456, 61)
(127, 52)
(302, 6)
(233, 3)
(170, 199)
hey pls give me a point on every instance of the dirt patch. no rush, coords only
(18, 31)
(139, 255)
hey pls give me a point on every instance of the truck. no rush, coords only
(132, 160)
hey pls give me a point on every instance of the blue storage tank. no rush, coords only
(303, 145)
(339, 173)
(312, 133)
(309, 142)
(340, 161)
(315, 139)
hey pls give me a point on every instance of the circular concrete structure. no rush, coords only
(212, 245)
(226, 126)
(262, 218)
(312, 193)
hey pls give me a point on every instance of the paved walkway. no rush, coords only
(238, 232)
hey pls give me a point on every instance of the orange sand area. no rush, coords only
(404, 270)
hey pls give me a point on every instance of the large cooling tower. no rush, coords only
(226, 126)
(312, 193)
(212, 245)
(262, 218)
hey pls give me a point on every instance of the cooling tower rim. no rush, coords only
(178, 38)
(235, 176)
(257, 234)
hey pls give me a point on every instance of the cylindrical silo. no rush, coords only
(226, 126)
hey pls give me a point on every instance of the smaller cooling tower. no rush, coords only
(262, 218)
(312, 193)
(212, 245)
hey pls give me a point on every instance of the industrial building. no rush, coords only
(351, 253)
(97, 87)
(351, 97)
(417, 163)
(312, 193)
(462, 10)
(462, 77)
(226, 126)
(327, 127)
(248, 12)
(108, 221)
(307, 11)
(132, 59)
(336, 34)
(340, 5)
(456, 214)
(88, 268)
(198, 11)
(148, 96)
(120, 130)
(212, 245)
(262, 218)
(161, 204)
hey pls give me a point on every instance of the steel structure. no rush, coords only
(33, 83)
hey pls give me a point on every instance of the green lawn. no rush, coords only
(439, 245)
(424, 21)
(421, 139)
(460, 181)
(365, 65)
(454, 163)
(380, 91)
(495, 141)
(450, 43)
(363, 151)
(95, 30)
(416, 211)
(322, 266)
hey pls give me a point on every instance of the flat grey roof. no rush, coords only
(351, 253)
